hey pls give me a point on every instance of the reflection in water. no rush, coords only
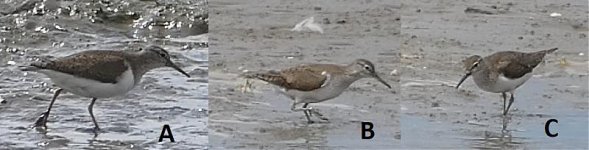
(307, 137)
(502, 140)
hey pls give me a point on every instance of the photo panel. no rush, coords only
(267, 54)
(108, 74)
(533, 50)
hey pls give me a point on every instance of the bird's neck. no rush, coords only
(350, 77)
(343, 80)
(352, 74)
(140, 65)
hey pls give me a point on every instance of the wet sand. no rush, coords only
(255, 35)
(438, 35)
(133, 121)
(426, 51)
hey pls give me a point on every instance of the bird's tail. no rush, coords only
(548, 51)
(536, 58)
(273, 77)
(33, 67)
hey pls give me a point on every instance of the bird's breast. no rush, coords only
(500, 83)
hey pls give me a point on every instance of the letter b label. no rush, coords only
(367, 128)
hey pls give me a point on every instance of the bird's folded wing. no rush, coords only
(103, 66)
(512, 65)
(303, 78)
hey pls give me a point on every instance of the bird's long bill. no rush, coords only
(381, 81)
(170, 64)
(463, 78)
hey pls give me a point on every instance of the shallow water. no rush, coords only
(33, 30)
(440, 35)
(262, 118)
(536, 102)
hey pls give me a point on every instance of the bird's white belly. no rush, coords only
(91, 88)
(324, 93)
(504, 84)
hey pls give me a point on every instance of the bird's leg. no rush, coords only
(42, 121)
(504, 126)
(313, 111)
(96, 128)
(319, 115)
(247, 85)
(307, 113)
(504, 101)
(510, 102)
(304, 109)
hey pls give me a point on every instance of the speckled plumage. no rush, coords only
(313, 83)
(503, 72)
(104, 66)
(100, 73)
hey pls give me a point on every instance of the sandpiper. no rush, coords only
(313, 83)
(503, 71)
(100, 73)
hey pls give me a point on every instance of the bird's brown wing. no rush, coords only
(103, 66)
(303, 77)
(516, 64)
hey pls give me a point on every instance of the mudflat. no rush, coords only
(256, 35)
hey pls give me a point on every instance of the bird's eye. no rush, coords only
(475, 64)
(367, 67)
(163, 55)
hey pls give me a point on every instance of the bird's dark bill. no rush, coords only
(462, 80)
(382, 81)
(178, 69)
